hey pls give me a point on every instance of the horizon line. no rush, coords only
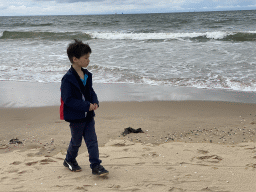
(135, 13)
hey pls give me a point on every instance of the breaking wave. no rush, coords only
(206, 36)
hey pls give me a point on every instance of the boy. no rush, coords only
(78, 103)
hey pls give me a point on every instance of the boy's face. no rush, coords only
(83, 61)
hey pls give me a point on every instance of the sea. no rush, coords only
(204, 50)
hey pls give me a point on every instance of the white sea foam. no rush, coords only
(217, 35)
(36, 69)
(53, 74)
(237, 86)
(143, 36)
(148, 36)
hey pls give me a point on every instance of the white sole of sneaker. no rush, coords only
(70, 168)
(102, 175)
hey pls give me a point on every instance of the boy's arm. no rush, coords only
(69, 100)
(94, 97)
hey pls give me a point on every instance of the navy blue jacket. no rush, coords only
(76, 98)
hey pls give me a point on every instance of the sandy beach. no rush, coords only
(186, 146)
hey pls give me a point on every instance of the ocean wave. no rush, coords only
(43, 35)
(194, 36)
(25, 24)
(142, 36)
(250, 36)
(41, 25)
(105, 74)
(123, 75)
(218, 35)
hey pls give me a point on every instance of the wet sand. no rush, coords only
(31, 94)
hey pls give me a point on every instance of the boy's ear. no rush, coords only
(74, 59)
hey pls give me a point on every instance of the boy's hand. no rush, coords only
(93, 107)
(96, 106)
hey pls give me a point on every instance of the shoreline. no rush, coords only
(28, 94)
(177, 112)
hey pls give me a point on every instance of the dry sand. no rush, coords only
(186, 146)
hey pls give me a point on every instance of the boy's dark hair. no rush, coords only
(77, 49)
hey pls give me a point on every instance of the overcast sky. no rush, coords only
(91, 7)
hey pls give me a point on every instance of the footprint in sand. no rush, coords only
(15, 188)
(15, 163)
(63, 186)
(3, 146)
(31, 163)
(202, 151)
(3, 178)
(150, 154)
(210, 158)
(12, 170)
(113, 186)
(174, 189)
(104, 155)
(22, 172)
(42, 162)
(81, 188)
(213, 189)
(140, 163)
(46, 161)
(251, 165)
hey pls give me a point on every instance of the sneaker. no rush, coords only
(72, 165)
(100, 171)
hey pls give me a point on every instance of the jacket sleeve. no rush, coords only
(69, 100)
(94, 96)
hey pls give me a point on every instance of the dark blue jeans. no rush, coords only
(84, 130)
